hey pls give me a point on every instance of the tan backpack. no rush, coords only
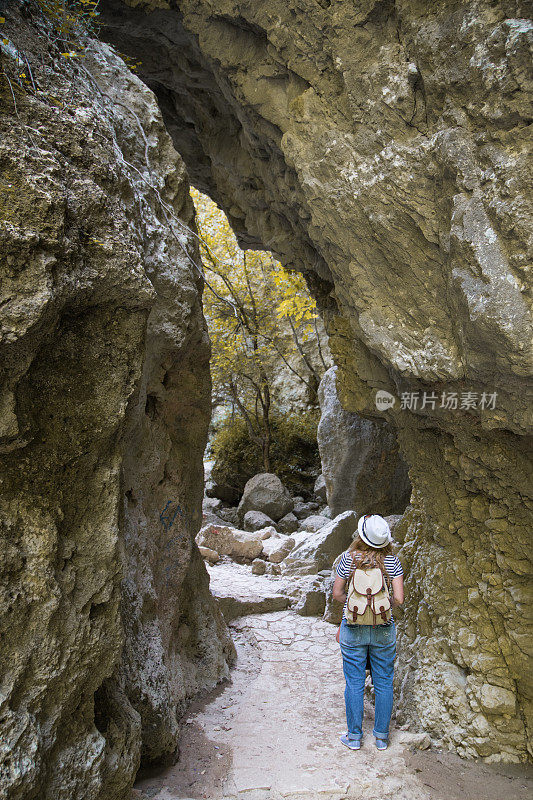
(368, 596)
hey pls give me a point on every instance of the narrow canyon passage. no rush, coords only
(379, 150)
(273, 732)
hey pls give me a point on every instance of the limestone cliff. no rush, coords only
(380, 146)
(107, 627)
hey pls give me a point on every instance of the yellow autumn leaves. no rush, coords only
(259, 315)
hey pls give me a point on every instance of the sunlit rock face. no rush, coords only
(381, 148)
(107, 627)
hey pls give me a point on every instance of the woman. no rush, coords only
(372, 548)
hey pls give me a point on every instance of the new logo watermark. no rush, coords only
(411, 401)
(384, 400)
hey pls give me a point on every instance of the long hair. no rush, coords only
(365, 556)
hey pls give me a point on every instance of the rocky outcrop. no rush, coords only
(380, 147)
(361, 463)
(106, 622)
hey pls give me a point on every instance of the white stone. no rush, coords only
(277, 547)
(229, 541)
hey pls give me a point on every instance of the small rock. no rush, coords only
(288, 523)
(210, 555)
(211, 503)
(255, 520)
(258, 566)
(266, 533)
(229, 514)
(209, 518)
(314, 523)
(421, 741)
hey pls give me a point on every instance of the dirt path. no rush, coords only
(274, 733)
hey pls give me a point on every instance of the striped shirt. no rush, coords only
(393, 569)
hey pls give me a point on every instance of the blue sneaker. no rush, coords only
(382, 744)
(353, 744)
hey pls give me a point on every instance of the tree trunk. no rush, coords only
(267, 433)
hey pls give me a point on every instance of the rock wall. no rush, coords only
(107, 627)
(380, 146)
(361, 462)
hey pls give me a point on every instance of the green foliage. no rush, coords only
(294, 455)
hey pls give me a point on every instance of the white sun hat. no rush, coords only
(374, 530)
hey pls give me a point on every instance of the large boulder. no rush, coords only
(333, 608)
(265, 492)
(312, 603)
(361, 463)
(317, 551)
(227, 541)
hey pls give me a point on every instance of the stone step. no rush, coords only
(240, 593)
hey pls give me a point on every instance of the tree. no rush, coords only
(258, 315)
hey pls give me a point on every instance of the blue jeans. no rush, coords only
(380, 643)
